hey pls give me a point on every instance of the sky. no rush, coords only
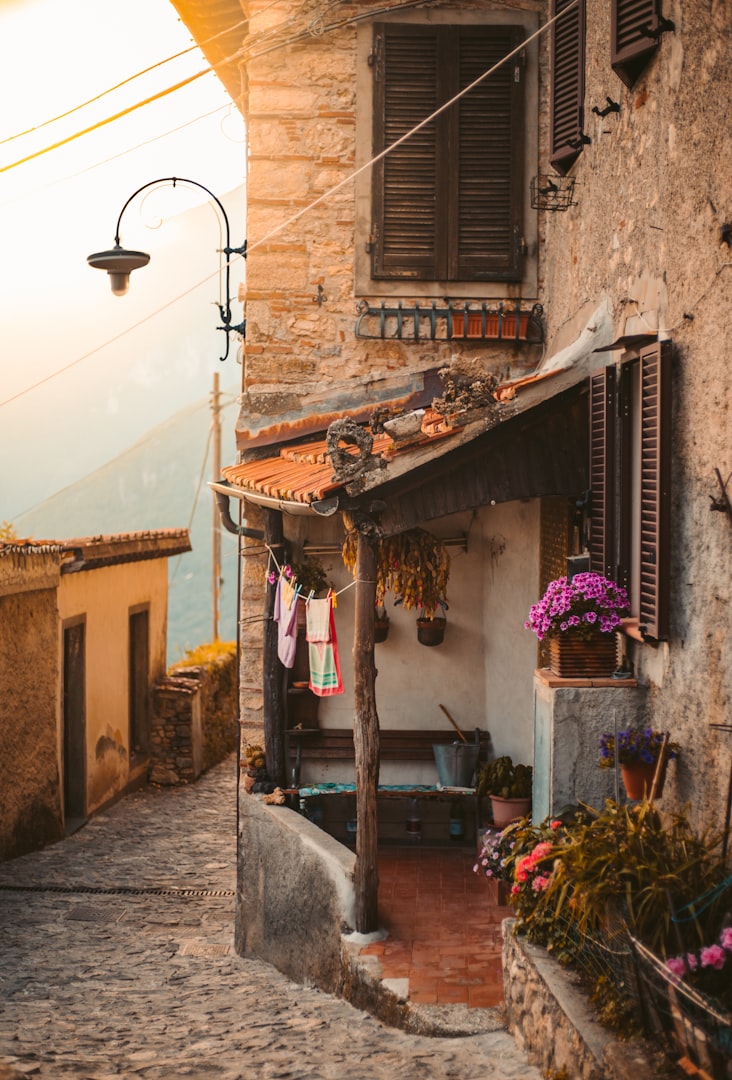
(131, 362)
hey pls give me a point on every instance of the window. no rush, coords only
(634, 34)
(630, 475)
(447, 204)
(568, 86)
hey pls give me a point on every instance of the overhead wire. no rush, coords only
(321, 198)
(119, 85)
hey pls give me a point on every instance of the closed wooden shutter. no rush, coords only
(633, 23)
(568, 85)
(447, 203)
(655, 460)
(603, 405)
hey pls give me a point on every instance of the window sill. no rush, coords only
(631, 629)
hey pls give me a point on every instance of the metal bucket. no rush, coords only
(456, 763)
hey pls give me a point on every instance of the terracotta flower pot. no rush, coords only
(506, 811)
(638, 779)
(573, 657)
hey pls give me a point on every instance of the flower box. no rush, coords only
(574, 657)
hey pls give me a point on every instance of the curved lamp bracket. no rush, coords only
(119, 263)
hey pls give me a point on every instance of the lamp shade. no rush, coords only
(119, 264)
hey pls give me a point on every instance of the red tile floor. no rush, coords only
(444, 927)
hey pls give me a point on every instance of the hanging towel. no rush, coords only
(286, 618)
(325, 667)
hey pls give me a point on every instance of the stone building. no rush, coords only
(563, 229)
(82, 639)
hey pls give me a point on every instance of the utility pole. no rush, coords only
(216, 533)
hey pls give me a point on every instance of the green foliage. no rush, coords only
(615, 1010)
(502, 778)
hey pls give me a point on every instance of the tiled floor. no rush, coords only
(444, 924)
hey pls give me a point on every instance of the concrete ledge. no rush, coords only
(295, 894)
(550, 1018)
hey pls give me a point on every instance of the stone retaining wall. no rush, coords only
(194, 722)
(550, 1017)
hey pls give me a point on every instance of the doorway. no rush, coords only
(74, 721)
(139, 681)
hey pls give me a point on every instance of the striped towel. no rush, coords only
(325, 667)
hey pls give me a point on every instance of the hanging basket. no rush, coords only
(431, 631)
(572, 657)
(381, 628)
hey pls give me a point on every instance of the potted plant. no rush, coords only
(579, 619)
(638, 754)
(509, 789)
(415, 567)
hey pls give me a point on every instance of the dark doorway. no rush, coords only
(139, 682)
(74, 720)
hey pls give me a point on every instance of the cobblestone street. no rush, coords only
(117, 959)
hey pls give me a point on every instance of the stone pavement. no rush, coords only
(117, 959)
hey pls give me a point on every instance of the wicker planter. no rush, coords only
(572, 657)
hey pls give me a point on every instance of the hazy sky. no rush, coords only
(63, 205)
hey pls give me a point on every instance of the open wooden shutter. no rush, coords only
(603, 404)
(632, 42)
(489, 136)
(568, 85)
(655, 459)
(447, 203)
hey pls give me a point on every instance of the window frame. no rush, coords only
(364, 284)
(435, 216)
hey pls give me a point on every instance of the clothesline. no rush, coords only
(333, 593)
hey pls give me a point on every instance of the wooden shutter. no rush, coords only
(568, 85)
(447, 203)
(603, 405)
(633, 24)
(655, 460)
(490, 158)
(404, 234)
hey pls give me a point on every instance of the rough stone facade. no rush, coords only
(194, 724)
(646, 238)
(549, 1015)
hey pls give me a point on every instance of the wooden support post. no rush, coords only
(366, 739)
(272, 682)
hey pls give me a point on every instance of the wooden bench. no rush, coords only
(395, 744)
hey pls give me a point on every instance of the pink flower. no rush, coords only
(515, 890)
(713, 956)
(541, 850)
(540, 883)
(725, 938)
(676, 966)
(692, 961)
(556, 824)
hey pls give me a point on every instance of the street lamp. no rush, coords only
(120, 262)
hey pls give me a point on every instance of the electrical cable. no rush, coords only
(316, 202)
(125, 82)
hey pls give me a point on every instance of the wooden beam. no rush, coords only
(366, 739)
(273, 702)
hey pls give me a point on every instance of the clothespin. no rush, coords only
(333, 597)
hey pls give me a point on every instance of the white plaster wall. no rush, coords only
(482, 672)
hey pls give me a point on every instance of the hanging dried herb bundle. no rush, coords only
(414, 566)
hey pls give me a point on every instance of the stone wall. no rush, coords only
(194, 723)
(549, 1015)
(295, 894)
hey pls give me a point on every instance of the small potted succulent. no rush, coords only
(509, 788)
